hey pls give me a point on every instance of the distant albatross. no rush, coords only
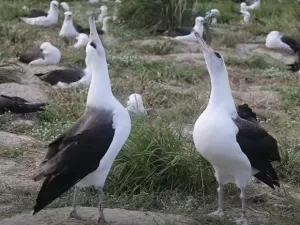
(71, 30)
(135, 104)
(46, 54)
(67, 76)
(236, 148)
(46, 20)
(277, 40)
(18, 105)
(187, 33)
(83, 155)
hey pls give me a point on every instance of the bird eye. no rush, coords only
(218, 55)
(93, 45)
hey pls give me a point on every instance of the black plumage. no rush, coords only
(18, 105)
(73, 155)
(81, 29)
(68, 75)
(294, 45)
(30, 55)
(260, 148)
(33, 13)
(245, 112)
(295, 66)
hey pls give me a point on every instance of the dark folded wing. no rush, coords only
(290, 42)
(68, 75)
(183, 30)
(80, 157)
(36, 13)
(260, 148)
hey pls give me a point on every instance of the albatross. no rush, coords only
(46, 54)
(187, 33)
(83, 155)
(236, 148)
(64, 76)
(18, 105)
(103, 13)
(135, 104)
(47, 20)
(295, 66)
(70, 29)
(277, 40)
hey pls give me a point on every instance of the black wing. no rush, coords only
(290, 42)
(30, 55)
(245, 112)
(14, 98)
(81, 29)
(80, 157)
(260, 148)
(183, 30)
(295, 67)
(17, 105)
(36, 13)
(68, 75)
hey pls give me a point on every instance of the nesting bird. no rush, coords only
(46, 54)
(135, 104)
(187, 33)
(66, 76)
(15, 104)
(277, 40)
(236, 148)
(50, 19)
(83, 155)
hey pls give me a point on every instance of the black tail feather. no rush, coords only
(26, 108)
(245, 112)
(52, 188)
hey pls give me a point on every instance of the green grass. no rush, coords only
(159, 169)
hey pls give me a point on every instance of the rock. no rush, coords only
(15, 141)
(15, 176)
(60, 216)
(32, 93)
(20, 122)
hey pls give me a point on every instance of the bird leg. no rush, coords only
(73, 213)
(219, 212)
(101, 219)
(243, 220)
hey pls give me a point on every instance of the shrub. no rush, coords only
(156, 159)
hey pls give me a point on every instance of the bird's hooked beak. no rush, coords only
(204, 47)
(94, 37)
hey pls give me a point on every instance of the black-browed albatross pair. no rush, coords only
(236, 148)
(83, 155)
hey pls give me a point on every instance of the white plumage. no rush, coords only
(198, 27)
(51, 55)
(103, 13)
(48, 20)
(67, 29)
(135, 104)
(81, 40)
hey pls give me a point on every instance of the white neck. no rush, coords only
(105, 27)
(199, 29)
(220, 95)
(52, 12)
(100, 88)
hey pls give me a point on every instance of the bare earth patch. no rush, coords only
(90, 216)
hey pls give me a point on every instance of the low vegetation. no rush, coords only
(159, 169)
